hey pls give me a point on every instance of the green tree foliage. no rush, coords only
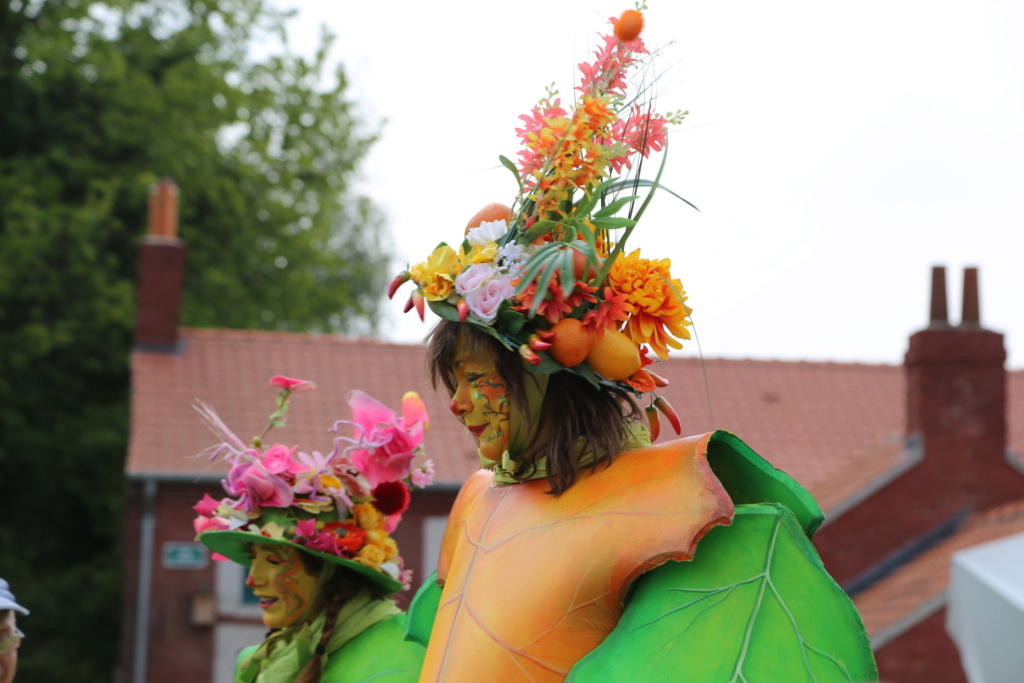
(99, 101)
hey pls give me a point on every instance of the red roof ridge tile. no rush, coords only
(282, 336)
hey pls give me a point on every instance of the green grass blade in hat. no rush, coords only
(341, 507)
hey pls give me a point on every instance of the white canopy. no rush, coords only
(985, 617)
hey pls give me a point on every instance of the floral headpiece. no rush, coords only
(549, 277)
(342, 506)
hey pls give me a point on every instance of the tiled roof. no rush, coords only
(817, 421)
(813, 420)
(913, 592)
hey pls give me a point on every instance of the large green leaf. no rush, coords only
(423, 610)
(755, 605)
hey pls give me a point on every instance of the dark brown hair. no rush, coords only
(339, 589)
(573, 408)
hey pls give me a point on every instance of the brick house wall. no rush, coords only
(177, 650)
(923, 653)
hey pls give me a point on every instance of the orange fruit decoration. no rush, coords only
(492, 212)
(629, 25)
(614, 356)
(571, 343)
(579, 264)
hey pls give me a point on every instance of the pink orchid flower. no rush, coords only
(390, 440)
(293, 385)
(257, 487)
(313, 464)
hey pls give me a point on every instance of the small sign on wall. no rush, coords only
(182, 555)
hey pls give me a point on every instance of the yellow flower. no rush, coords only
(330, 481)
(436, 275)
(368, 517)
(272, 530)
(315, 507)
(659, 302)
(479, 254)
(371, 556)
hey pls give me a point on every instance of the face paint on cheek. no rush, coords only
(285, 587)
(493, 403)
(292, 602)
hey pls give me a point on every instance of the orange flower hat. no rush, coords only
(559, 252)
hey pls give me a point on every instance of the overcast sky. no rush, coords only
(836, 151)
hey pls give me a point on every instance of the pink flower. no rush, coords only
(391, 523)
(324, 542)
(423, 477)
(484, 301)
(206, 506)
(391, 440)
(473, 277)
(312, 465)
(278, 460)
(352, 480)
(305, 528)
(258, 487)
(293, 385)
(405, 578)
(201, 524)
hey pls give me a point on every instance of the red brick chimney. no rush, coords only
(161, 273)
(956, 383)
(956, 429)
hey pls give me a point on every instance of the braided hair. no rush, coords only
(340, 587)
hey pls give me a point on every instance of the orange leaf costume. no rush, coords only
(511, 609)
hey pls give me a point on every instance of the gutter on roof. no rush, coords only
(147, 528)
(906, 553)
(177, 477)
(208, 478)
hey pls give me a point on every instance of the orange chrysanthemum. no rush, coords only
(660, 314)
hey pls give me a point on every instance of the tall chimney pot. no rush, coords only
(161, 273)
(939, 315)
(971, 312)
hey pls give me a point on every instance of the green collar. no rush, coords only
(284, 654)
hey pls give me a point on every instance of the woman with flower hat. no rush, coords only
(580, 551)
(314, 531)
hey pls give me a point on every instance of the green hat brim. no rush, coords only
(234, 545)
